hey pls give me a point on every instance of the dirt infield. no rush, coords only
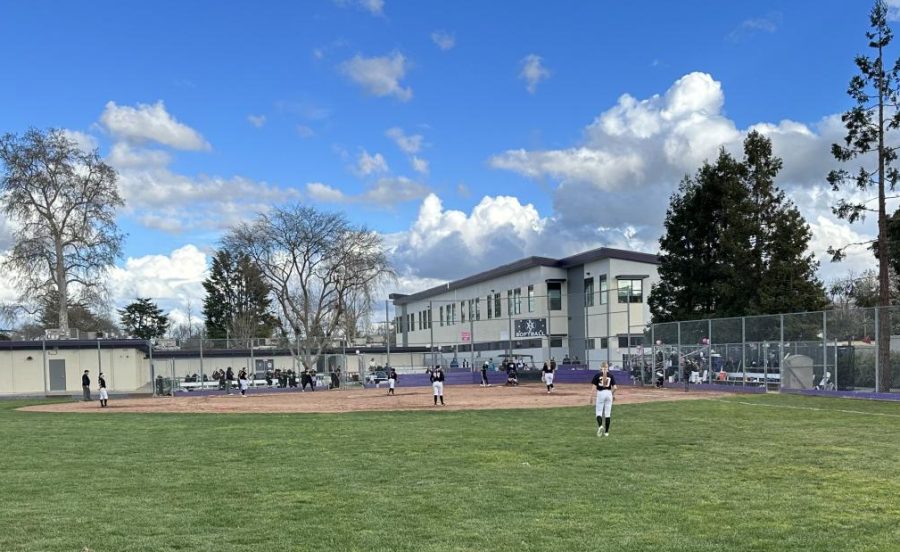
(458, 397)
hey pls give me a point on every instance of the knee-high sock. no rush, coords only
(599, 421)
(442, 399)
(608, 420)
(435, 399)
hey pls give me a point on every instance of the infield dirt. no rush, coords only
(457, 397)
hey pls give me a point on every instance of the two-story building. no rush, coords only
(589, 308)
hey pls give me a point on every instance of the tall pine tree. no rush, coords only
(734, 245)
(237, 302)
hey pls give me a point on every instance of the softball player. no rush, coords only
(104, 396)
(243, 382)
(392, 381)
(548, 376)
(437, 384)
(605, 384)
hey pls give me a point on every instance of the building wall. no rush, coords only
(572, 326)
(24, 372)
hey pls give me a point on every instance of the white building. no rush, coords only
(590, 307)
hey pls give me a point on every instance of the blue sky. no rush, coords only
(265, 103)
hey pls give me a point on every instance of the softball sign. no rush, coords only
(531, 327)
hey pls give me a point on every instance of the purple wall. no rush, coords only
(845, 394)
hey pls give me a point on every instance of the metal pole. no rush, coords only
(587, 321)
(152, 380)
(387, 333)
(201, 349)
(472, 339)
(44, 349)
(509, 321)
(608, 330)
(877, 347)
(824, 343)
(549, 319)
(680, 369)
(249, 368)
(709, 365)
(628, 323)
(780, 354)
(835, 364)
(744, 350)
(430, 333)
(652, 354)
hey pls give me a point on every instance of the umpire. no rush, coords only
(86, 386)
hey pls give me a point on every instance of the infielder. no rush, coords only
(548, 376)
(243, 382)
(605, 384)
(437, 384)
(104, 396)
(392, 381)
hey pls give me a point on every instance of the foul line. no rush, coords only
(843, 411)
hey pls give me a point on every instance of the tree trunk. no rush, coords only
(63, 287)
(884, 292)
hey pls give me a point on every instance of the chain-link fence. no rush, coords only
(827, 352)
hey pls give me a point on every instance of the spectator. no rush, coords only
(86, 386)
(229, 377)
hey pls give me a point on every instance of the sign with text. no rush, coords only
(531, 327)
(466, 337)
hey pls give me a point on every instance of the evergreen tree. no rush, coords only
(733, 245)
(144, 319)
(237, 302)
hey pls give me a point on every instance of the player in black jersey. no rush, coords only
(605, 384)
(548, 371)
(392, 381)
(437, 384)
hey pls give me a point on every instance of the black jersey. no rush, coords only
(392, 375)
(437, 375)
(602, 385)
(547, 369)
(102, 381)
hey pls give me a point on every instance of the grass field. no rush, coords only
(782, 473)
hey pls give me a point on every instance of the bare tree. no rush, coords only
(63, 202)
(316, 264)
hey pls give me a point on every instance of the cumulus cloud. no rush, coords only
(443, 40)
(172, 280)
(368, 164)
(150, 123)
(85, 142)
(893, 10)
(533, 72)
(379, 76)
(256, 120)
(409, 144)
(386, 192)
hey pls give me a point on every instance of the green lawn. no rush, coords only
(694, 475)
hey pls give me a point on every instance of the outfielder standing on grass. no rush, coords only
(437, 384)
(392, 381)
(605, 384)
(548, 376)
(104, 397)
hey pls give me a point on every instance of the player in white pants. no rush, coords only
(605, 384)
(437, 384)
(548, 373)
(392, 381)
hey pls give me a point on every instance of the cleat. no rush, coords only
(599, 432)
(606, 434)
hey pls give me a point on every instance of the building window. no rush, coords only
(509, 302)
(429, 318)
(604, 343)
(441, 314)
(631, 291)
(478, 308)
(556, 342)
(589, 292)
(554, 295)
(590, 344)
(412, 322)
(636, 341)
(471, 310)
(530, 298)
(490, 306)
(497, 311)
(462, 312)
(517, 297)
(604, 290)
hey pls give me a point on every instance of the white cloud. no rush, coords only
(443, 40)
(305, 132)
(375, 7)
(768, 24)
(409, 144)
(386, 192)
(533, 72)
(150, 123)
(162, 199)
(419, 165)
(170, 280)
(325, 193)
(370, 164)
(257, 120)
(380, 76)
(85, 142)
(893, 10)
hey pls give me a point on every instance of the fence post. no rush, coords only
(680, 368)
(152, 374)
(744, 350)
(781, 353)
(877, 347)
(824, 344)
(387, 333)
(44, 350)
(709, 345)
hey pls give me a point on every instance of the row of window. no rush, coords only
(629, 291)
